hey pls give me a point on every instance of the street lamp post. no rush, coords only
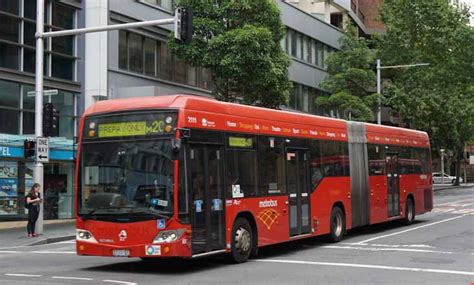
(379, 67)
(442, 165)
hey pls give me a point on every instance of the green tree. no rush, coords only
(239, 41)
(439, 98)
(350, 77)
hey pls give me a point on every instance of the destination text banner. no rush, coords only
(130, 125)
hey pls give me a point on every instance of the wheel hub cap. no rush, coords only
(242, 240)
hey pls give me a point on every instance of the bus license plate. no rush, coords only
(121, 252)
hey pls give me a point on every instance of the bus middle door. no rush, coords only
(298, 191)
(393, 184)
(207, 196)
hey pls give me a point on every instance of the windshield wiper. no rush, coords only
(146, 211)
(91, 212)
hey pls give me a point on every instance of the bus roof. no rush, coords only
(245, 115)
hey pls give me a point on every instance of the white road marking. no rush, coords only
(391, 245)
(52, 251)
(119, 282)
(68, 241)
(409, 230)
(453, 202)
(72, 278)
(387, 249)
(403, 245)
(22, 275)
(38, 251)
(368, 266)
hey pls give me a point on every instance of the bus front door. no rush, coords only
(207, 196)
(298, 191)
(393, 184)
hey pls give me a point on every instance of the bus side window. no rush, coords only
(315, 163)
(376, 159)
(425, 161)
(333, 158)
(271, 166)
(241, 173)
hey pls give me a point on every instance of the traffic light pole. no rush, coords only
(38, 170)
(40, 36)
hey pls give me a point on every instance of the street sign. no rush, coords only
(49, 92)
(42, 149)
(471, 159)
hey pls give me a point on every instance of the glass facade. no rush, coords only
(16, 179)
(17, 109)
(302, 98)
(17, 38)
(311, 51)
(150, 57)
(305, 48)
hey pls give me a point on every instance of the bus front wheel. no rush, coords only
(242, 240)
(338, 225)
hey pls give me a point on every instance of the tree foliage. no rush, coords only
(350, 77)
(239, 41)
(439, 98)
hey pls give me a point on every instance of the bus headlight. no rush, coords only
(168, 236)
(83, 235)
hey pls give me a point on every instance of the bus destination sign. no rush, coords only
(126, 129)
(240, 142)
(130, 125)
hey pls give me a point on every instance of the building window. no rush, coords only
(123, 50)
(9, 56)
(135, 51)
(30, 9)
(305, 48)
(9, 29)
(166, 60)
(63, 16)
(9, 107)
(9, 6)
(165, 4)
(302, 98)
(150, 57)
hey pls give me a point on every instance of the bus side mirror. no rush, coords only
(175, 148)
(184, 133)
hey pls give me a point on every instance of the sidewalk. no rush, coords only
(14, 234)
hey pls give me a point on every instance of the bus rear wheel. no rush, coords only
(242, 240)
(409, 212)
(338, 225)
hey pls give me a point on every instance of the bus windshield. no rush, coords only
(129, 178)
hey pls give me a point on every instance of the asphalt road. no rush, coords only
(437, 249)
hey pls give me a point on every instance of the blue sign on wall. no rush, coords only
(11, 151)
(54, 154)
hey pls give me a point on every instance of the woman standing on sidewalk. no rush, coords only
(33, 200)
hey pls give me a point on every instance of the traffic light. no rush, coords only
(29, 148)
(183, 26)
(50, 121)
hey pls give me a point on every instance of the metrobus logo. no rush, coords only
(268, 203)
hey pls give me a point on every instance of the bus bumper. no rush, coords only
(180, 248)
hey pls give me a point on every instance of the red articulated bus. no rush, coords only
(188, 176)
